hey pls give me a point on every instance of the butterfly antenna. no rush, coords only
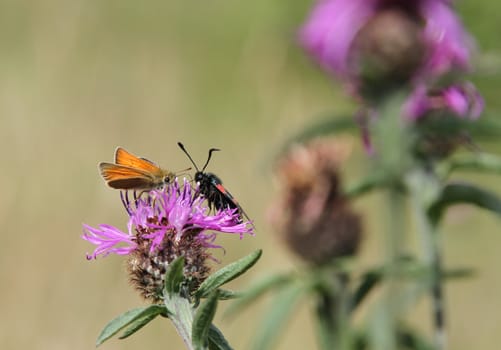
(210, 155)
(186, 152)
(184, 172)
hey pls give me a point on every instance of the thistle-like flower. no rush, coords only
(378, 46)
(164, 225)
(386, 39)
(460, 100)
(312, 214)
(434, 113)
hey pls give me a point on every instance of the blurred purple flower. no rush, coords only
(462, 100)
(330, 29)
(333, 25)
(449, 44)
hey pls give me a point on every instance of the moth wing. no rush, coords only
(227, 198)
(225, 193)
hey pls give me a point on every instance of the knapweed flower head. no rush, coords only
(461, 100)
(417, 40)
(163, 225)
(438, 116)
(312, 214)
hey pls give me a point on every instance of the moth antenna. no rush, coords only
(208, 158)
(186, 152)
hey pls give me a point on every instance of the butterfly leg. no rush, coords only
(124, 196)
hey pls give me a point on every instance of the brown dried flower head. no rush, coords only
(312, 214)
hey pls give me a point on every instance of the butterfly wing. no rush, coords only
(125, 177)
(122, 157)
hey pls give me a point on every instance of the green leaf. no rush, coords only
(276, 317)
(407, 339)
(460, 272)
(137, 325)
(360, 340)
(408, 267)
(203, 321)
(328, 325)
(227, 273)
(370, 279)
(128, 318)
(412, 340)
(447, 124)
(174, 276)
(257, 290)
(217, 340)
(483, 162)
(371, 182)
(486, 128)
(330, 126)
(225, 294)
(444, 124)
(463, 193)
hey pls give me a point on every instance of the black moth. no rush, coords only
(211, 187)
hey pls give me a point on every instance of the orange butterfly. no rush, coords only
(134, 173)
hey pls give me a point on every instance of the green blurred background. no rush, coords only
(78, 78)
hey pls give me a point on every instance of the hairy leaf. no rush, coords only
(129, 318)
(217, 340)
(174, 276)
(227, 274)
(203, 321)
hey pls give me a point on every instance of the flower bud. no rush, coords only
(387, 50)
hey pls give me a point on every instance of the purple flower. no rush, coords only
(448, 43)
(175, 211)
(331, 28)
(163, 225)
(108, 239)
(462, 100)
(331, 32)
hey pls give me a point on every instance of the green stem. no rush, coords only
(384, 323)
(392, 140)
(422, 185)
(182, 318)
(438, 301)
(326, 321)
(394, 249)
(332, 309)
